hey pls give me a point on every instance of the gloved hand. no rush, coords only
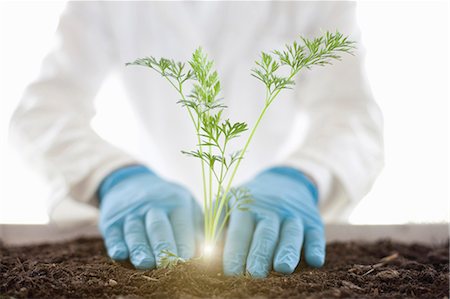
(282, 219)
(142, 214)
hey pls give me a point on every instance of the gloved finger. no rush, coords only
(315, 246)
(264, 241)
(183, 231)
(159, 232)
(287, 254)
(115, 242)
(237, 242)
(141, 255)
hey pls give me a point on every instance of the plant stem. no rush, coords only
(197, 130)
(219, 185)
(268, 101)
(209, 211)
(222, 225)
(222, 199)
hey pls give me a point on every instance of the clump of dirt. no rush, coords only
(81, 269)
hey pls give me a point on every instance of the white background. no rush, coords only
(407, 64)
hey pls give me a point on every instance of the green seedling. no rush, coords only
(168, 260)
(277, 71)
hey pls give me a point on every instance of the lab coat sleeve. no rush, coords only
(51, 125)
(343, 149)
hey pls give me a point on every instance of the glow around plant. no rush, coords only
(214, 133)
(208, 250)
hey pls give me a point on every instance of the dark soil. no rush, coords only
(81, 269)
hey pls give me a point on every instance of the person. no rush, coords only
(318, 149)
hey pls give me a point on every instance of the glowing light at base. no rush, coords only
(208, 250)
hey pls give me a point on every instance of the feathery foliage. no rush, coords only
(214, 133)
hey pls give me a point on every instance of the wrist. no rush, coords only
(298, 176)
(120, 175)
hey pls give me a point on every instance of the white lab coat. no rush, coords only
(329, 126)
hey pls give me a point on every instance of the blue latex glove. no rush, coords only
(282, 219)
(142, 214)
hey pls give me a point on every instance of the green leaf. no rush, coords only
(318, 51)
(168, 260)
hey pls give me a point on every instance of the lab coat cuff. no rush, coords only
(87, 191)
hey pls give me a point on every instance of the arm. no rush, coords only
(141, 214)
(51, 125)
(343, 150)
(342, 153)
